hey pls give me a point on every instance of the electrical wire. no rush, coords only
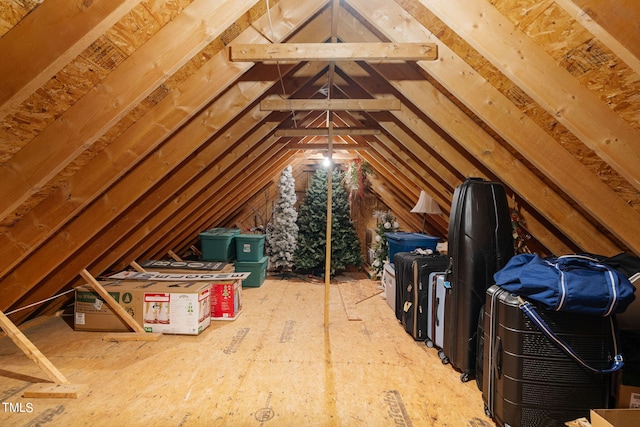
(284, 91)
(39, 302)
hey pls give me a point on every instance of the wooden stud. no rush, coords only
(174, 255)
(48, 391)
(30, 350)
(137, 267)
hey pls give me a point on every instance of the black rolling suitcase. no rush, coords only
(403, 263)
(529, 381)
(413, 289)
(480, 243)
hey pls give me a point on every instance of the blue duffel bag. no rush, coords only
(574, 283)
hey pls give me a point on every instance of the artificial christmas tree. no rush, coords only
(312, 218)
(386, 223)
(282, 233)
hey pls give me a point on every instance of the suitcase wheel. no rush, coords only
(429, 343)
(444, 359)
(465, 377)
(487, 412)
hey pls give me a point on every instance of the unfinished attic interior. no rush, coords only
(129, 127)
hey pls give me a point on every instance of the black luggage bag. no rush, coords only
(403, 264)
(480, 243)
(527, 380)
(412, 289)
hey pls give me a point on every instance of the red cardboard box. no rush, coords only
(226, 300)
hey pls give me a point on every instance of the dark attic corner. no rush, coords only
(338, 212)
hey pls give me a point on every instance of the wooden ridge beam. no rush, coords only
(333, 52)
(377, 104)
(325, 132)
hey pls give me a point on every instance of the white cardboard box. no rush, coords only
(166, 307)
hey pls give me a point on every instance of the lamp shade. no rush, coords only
(426, 205)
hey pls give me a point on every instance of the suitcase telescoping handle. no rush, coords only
(533, 315)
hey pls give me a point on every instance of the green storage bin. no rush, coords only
(249, 247)
(258, 270)
(218, 244)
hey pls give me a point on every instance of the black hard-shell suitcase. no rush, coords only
(529, 381)
(480, 243)
(480, 348)
(414, 293)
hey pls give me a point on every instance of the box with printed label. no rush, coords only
(166, 307)
(163, 266)
(226, 299)
(93, 314)
(628, 396)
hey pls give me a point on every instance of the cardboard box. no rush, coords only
(226, 300)
(166, 307)
(615, 417)
(629, 397)
(185, 266)
(93, 314)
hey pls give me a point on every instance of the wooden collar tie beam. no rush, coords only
(325, 147)
(373, 104)
(325, 132)
(297, 52)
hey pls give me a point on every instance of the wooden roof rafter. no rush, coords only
(534, 143)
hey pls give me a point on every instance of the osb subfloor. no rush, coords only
(275, 365)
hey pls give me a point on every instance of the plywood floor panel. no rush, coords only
(272, 366)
